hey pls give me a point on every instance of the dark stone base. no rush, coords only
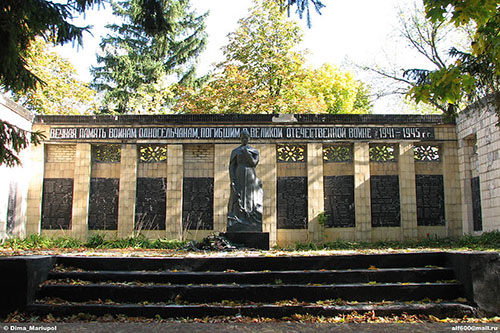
(254, 240)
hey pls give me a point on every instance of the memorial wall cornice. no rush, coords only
(242, 119)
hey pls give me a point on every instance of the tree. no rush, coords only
(475, 73)
(134, 64)
(302, 6)
(264, 73)
(429, 42)
(60, 92)
(21, 22)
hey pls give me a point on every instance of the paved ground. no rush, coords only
(244, 327)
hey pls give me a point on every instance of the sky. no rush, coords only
(346, 30)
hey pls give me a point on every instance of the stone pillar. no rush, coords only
(452, 193)
(315, 193)
(128, 186)
(81, 190)
(222, 154)
(267, 173)
(464, 157)
(175, 174)
(362, 199)
(407, 191)
(34, 209)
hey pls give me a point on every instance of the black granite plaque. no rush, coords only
(430, 200)
(385, 201)
(477, 216)
(339, 201)
(150, 203)
(57, 203)
(198, 204)
(11, 208)
(292, 202)
(103, 203)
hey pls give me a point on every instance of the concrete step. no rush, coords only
(258, 263)
(255, 293)
(439, 310)
(415, 274)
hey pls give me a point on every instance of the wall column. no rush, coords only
(175, 175)
(34, 209)
(81, 190)
(362, 199)
(316, 202)
(128, 187)
(222, 154)
(407, 191)
(464, 156)
(267, 173)
(452, 189)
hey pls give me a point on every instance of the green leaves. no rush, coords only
(61, 92)
(265, 72)
(474, 74)
(137, 65)
(13, 140)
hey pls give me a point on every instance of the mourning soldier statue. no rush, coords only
(245, 200)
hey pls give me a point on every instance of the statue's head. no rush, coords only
(244, 136)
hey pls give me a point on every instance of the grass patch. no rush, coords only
(96, 241)
(486, 241)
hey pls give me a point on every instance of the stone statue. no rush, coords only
(245, 200)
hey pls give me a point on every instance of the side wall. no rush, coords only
(13, 181)
(479, 157)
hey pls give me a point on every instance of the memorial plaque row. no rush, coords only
(103, 203)
(57, 203)
(430, 200)
(477, 216)
(150, 204)
(11, 208)
(198, 204)
(292, 202)
(385, 204)
(339, 201)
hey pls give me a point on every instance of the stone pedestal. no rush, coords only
(254, 240)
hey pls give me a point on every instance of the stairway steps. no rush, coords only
(418, 274)
(263, 286)
(254, 293)
(440, 310)
(260, 263)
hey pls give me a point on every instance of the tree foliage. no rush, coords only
(13, 140)
(475, 72)
(60, 91)
(134, 66)
(429, 42)
(302, 6)
(265, 73)
(21, 22)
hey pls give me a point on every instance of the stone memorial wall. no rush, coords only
(352, 177)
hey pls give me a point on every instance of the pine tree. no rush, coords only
(134, 66)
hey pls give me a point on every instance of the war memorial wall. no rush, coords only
(351, 177)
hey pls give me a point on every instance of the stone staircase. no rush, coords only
(272, 287)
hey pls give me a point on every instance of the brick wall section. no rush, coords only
(222, 154)
(362, 191)
(175, 175)
(267, 172)
(81, 189)
(407, 191)
(198, 161)
(128, 185)
(60, 153)
(315, 190)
